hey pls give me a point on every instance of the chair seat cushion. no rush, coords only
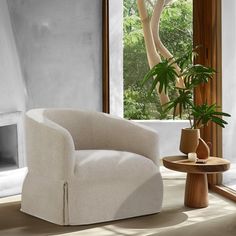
(108, 165)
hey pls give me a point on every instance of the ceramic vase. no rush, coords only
(203, 150)
(189, 140)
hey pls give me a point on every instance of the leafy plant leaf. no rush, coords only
(197, 74)
(205, 113)
(163, 73)
(183, 101)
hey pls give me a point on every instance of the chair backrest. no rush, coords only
(96, 130)
(77, 122)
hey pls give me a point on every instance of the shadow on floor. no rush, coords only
(13, 220)
(159, 220)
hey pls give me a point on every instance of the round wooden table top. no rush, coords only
(182, 164)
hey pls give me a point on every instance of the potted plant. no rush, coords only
(192, 75)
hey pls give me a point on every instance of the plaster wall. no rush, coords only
(229, 84)
(12, 91)
(169, 132)
(229, 75)
(60, 48)
(116, 56)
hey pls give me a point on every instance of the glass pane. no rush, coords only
(176, 35)
(229, 88)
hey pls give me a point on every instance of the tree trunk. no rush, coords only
(152, 54)
(155, 27)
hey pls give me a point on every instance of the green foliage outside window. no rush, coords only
(175, 33)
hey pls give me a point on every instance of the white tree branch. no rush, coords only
(152, 54)
(155, 27)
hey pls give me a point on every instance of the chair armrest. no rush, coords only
(111, 132)
(49, 148)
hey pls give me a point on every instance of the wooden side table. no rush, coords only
(196, 188)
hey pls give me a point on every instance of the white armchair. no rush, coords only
(88, 167)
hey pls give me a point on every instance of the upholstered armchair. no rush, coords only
(88, 167)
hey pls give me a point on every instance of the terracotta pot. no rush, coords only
(189, 140)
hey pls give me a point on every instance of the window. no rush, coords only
(176, 34)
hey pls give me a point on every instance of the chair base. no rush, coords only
(89, 203)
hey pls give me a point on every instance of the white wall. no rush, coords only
(12, 92)
(229, 75)
(59, 43)
(116, 56)
(229, 84)
(60, 49)
(12, 98)
(169, 134)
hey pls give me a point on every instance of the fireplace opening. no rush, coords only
(8, 147)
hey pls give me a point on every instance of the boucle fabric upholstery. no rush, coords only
(89, 167)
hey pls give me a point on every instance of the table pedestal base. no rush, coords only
(196, 191)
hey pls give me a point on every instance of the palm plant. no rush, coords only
(193, 75)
